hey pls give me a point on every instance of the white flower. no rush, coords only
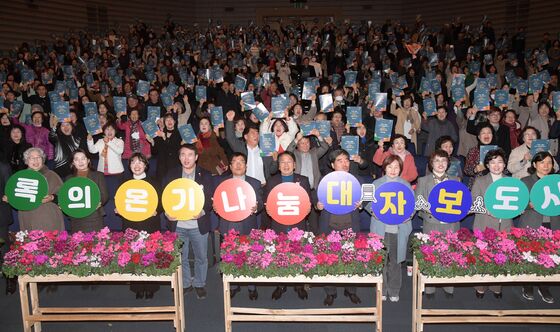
(95, 261)
(423, 237)
(270, 249)
(309, 236)
(143, 235)
(21, 235)
(556, 259)
(528, 256)
(348, 246)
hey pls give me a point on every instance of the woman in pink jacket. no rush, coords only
(134, 136)
(36, 134)
(398, 147)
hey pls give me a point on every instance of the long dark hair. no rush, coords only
(72, 167)
(538, 157)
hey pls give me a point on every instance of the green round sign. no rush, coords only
(506, 198)
(26, 189)
(545, 196)
(79, 197)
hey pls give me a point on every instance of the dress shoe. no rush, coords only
(277, 294)
(187, 290)
(139, 295)
(353, 297)
(253, 295)
(498, 295)
(430, 296)
(200, 292)
(233, 292)
(301, 292)
(149, 294)
(11, 285)
(329, 300)
(478, 294)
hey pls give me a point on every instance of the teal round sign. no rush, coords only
(506, 198)
(26, 189)
(545, 196)
(79, 197)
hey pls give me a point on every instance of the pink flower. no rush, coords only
(123, 259)
(295, 234)
(136, 246)
(545, 260)
(334, 236)
(269, 235)
(481, 244)
(30, 246)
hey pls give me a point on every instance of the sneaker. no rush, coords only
(394, 298)
(528, 293)
(200, 293)
(545, 295)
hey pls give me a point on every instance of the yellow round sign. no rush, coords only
(183, 199)
(136, 200)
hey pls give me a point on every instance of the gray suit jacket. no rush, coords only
(531, 218)
(315, 154)
(483, 221)
(424, 186)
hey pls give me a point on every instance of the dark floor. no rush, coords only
(208, 315)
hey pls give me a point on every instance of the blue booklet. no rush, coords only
(545, 76)
(350, 144)
(150, 75)
(240, 83)
(27, 76)
(458, 79)
(90, 108)
(61, 110)
(492, 80)
(474, 67)
(324, 128)
(60, 87)
(542, 59)
(307, 128)
(383, 129)
(46, 77)
(267, 143)
(143, 88)
(484, 149)
(354, 115)
(112, 73)
(187, 133)
(200, 92)
(454, 167)
(119, 104)
(336, 79)
(166, 99)
(92, 124)
(73, 94)
(481, 100)
(535, 83)
(88, 78)
(522, 87)
(17, 107)
(501, 98)
(458, 92)
(556, 100)
(308, 90)
(172, 89)
(401, 82)
(261, 112)
(217, 116)
(326, 102)
(373, 88)
(425, 85)
(429, 106)
(150, 127)
(380, 101)
(539, 145)
(248, 100)
(350, 77)
(279, 105)
(482, 84)
(53, 96)
(154, 112)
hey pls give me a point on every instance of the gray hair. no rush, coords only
(30, 150)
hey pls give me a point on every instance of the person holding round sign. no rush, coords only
(36, 211)
(238, 199)
(541, 166)
(393, 225)
(85, 200)
(438, 165)
(339, 194)
(147, 220)
(495, 162)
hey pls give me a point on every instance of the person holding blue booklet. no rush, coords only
(437, 126)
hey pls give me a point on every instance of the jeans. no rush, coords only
(200, 250)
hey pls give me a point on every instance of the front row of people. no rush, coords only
(195, 232)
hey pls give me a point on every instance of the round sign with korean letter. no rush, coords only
(183, 199)
(234, 200)
(394, 203)
(450, 201)
(506, 198)
(339, 192)
(545, 196)
(288, 203)
(79, 197)
(26, 189)
(136, 200)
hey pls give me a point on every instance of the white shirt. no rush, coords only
(193, 223)
(255, 168)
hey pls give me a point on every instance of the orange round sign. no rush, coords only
(288, 203)
(234, 200)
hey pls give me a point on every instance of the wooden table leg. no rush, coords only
(35, 304)
(175, 290)
(227, 305)
(181, 297)
(379, 300)
(24, 300)
(414, 295)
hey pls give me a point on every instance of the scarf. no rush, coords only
(134, 143)
(204, 141)
(513, 133)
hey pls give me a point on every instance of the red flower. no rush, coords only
(471, 259)
(136, 258)
(360, 243)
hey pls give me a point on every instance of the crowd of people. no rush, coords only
(453, 65)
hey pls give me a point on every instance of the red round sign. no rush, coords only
(288, 203)
(234, 200)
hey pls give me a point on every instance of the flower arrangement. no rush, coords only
(136, 252)
(488, 252)
(271, 254)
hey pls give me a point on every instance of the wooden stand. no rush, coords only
(245, 314)
(448, 316)
(40, 314)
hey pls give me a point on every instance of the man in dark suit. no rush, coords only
(340, 161)
(287, 166)
(193, 232)
(238, 168)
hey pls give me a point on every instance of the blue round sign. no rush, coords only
(339, 192)
(450, 201)
(394, 203)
